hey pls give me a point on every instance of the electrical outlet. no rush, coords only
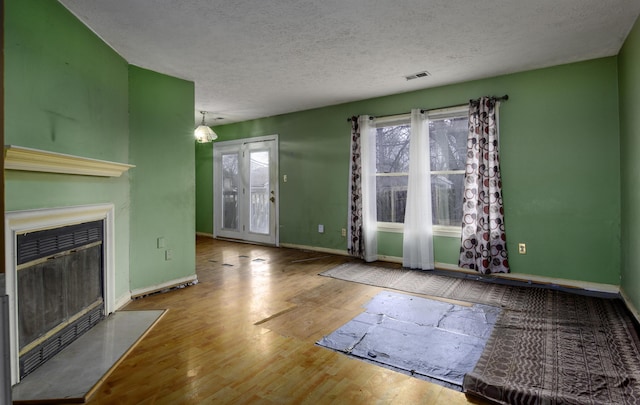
(284, 178)
(168, 254)
(161, 243)
(522, 248)
(344, 232)
(320, 228)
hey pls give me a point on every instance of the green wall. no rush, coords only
(560, 163)
(204, 191)
(445, 249)
(163, 182)
(65, 91)
(629, 72)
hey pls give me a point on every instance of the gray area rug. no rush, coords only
(423, 282)
(547, 346)
(429, 339)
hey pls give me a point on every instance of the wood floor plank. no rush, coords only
(207, 349)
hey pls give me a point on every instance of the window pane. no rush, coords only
(391, 198)
(448, 143)
(446, 199)
(259, 184)
(392, 149)
(230, 191)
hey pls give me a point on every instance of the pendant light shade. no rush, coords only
(204, 133)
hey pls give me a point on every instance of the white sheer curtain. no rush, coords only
(418, 233)
(369, 212)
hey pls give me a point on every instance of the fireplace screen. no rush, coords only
(60, 289)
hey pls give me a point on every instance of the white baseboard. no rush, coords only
(390, 259)
(122, 301)
(192, 279)
(561, 282)
(315, 249)
(584, 285)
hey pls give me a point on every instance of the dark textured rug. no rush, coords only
(547, 346)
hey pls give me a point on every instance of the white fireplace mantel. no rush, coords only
(36, 160)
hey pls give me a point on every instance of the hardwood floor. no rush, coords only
(245, 334)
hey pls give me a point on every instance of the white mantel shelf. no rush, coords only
(35, 160)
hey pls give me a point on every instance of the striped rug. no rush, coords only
(547, 346)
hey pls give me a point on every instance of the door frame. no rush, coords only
(240, 145)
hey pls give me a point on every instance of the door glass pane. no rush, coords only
(259, 185)
(230, 191)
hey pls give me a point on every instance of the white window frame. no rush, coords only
(436, 114)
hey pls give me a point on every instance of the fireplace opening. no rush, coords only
(60, 289)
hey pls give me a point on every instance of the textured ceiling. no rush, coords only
(258, 58)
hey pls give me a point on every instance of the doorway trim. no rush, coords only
(241, 144)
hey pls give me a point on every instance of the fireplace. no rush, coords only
(59, 279)
(59, 289)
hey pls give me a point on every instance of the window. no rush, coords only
(392, 169)
(448, 143)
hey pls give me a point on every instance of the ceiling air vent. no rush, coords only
(418, 75)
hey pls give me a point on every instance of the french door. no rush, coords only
(245, 189)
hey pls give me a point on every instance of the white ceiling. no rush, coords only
(258, 58)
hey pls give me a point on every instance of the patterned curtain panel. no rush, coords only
(484, 246)
(362, 238)
(355, 242)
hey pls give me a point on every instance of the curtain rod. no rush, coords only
(503, 98)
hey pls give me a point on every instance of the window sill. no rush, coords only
(390, 227)
(447, 231)
(438, 230)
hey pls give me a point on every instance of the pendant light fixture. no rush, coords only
(204, 133)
